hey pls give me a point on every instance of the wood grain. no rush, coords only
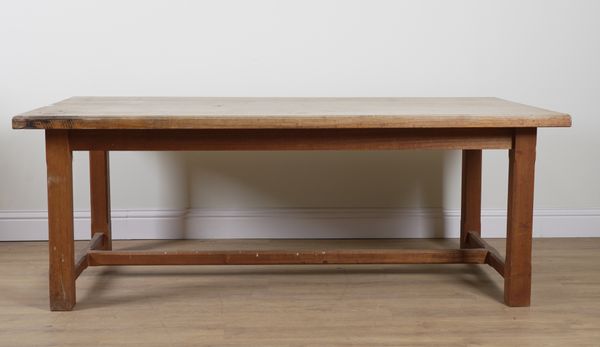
(100, 196)
(282, 257)
(470, 211)
(285, 113)
(517, 273)
(60, 221)
(290, 139)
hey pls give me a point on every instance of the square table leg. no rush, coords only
(517, 275)
(470, 211)
(60, 220)
(100, 197)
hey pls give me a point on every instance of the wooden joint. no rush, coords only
(493, 257)
(82, 260)
(97, 241)
(81, 264)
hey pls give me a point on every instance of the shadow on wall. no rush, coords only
(328, 194)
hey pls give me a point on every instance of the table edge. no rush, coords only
(290, 122)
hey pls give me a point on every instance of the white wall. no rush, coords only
(544, 52)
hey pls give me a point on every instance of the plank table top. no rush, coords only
(100, 125)
(286, 113)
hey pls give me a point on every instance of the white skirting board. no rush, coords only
(299, 223)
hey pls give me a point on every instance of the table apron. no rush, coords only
(289, 139)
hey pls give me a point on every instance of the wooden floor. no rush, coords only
(359, 305)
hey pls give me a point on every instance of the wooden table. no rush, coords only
(103, 124)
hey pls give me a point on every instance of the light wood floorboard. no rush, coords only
(357, 305)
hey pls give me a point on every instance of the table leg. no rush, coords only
(60, 220)
(470, 212)
(517, 276)
(100, 196)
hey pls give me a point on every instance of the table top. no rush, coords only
(285, 113)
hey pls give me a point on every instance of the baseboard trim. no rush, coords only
(299, 223)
